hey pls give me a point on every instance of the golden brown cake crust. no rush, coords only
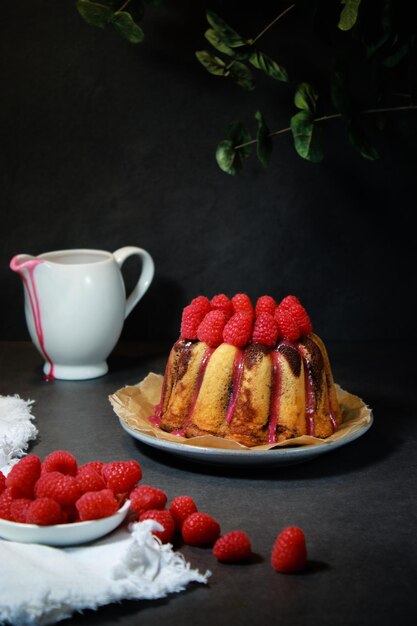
(255, 395)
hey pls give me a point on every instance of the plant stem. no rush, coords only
(273, 22)
(124, 5)
(326, 118)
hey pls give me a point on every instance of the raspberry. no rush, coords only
(200, 529)
(6, 499)
(165, 519)
(288, 327)
(289, 553)
(23, 476)
(44, 511)
(182, 507)
(18, 509)
(298, 312)
(2, 482)
(59, 487)
(145, 497)
(211, 328)
(122, 476)
(60, 461)
(96, 504)
(201, 304)
(242, 302)
(96, 465)
(222, 303)
(191, 319)
(233, 547)
(238, 329)
(265, 304)
(88, 479)
(265, 330)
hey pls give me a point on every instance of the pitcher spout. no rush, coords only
(22, 262)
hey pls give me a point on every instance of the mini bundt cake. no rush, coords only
(255, 375)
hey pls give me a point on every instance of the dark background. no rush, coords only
(106, 144)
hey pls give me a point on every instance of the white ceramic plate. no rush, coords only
(218, 456)
(63, 534)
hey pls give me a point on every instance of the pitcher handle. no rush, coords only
(146, 275)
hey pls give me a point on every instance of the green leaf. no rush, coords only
(307, 136)
(212, 37)
(339, 91)
(126, 27)
(227, 34)
(393, 59)
(264, 141)
(213, 64)
(361, 142)
(238, 135)
(306, 97)
(263, 62)
(349, 14)
(242, 75)
(228, 159)
(94, 13)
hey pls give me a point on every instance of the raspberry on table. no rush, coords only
(145, 497)
(211, 328)
(221, 302)
(287, 326)
(298, 312)
(164, 518)
(265, 330)
(44, 512)
(18, 509)
(89, 479)
(289, 553)
(265, 304)
(60, 487)
(200, 529)
(96, 505)
(242, 302)
(233, 547)
(23, 476)
(182, 507)
(60, 461)
(122, 476)
(238, 329)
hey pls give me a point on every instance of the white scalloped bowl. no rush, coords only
(63, 534)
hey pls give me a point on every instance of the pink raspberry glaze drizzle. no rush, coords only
(237, 377)
(30, 284)
(275, 396)
(310, 396)
(155, 419)
(200, 376)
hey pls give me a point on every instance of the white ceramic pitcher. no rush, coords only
(75, 306)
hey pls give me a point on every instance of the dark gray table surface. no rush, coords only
(356, 505)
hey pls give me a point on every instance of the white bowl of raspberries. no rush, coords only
(58, 502)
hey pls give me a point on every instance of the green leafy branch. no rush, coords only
(305, 125)
(241, 52)
(116, 15)
(383, 29)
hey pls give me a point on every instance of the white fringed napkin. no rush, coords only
(41, 585)
(16, 429)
